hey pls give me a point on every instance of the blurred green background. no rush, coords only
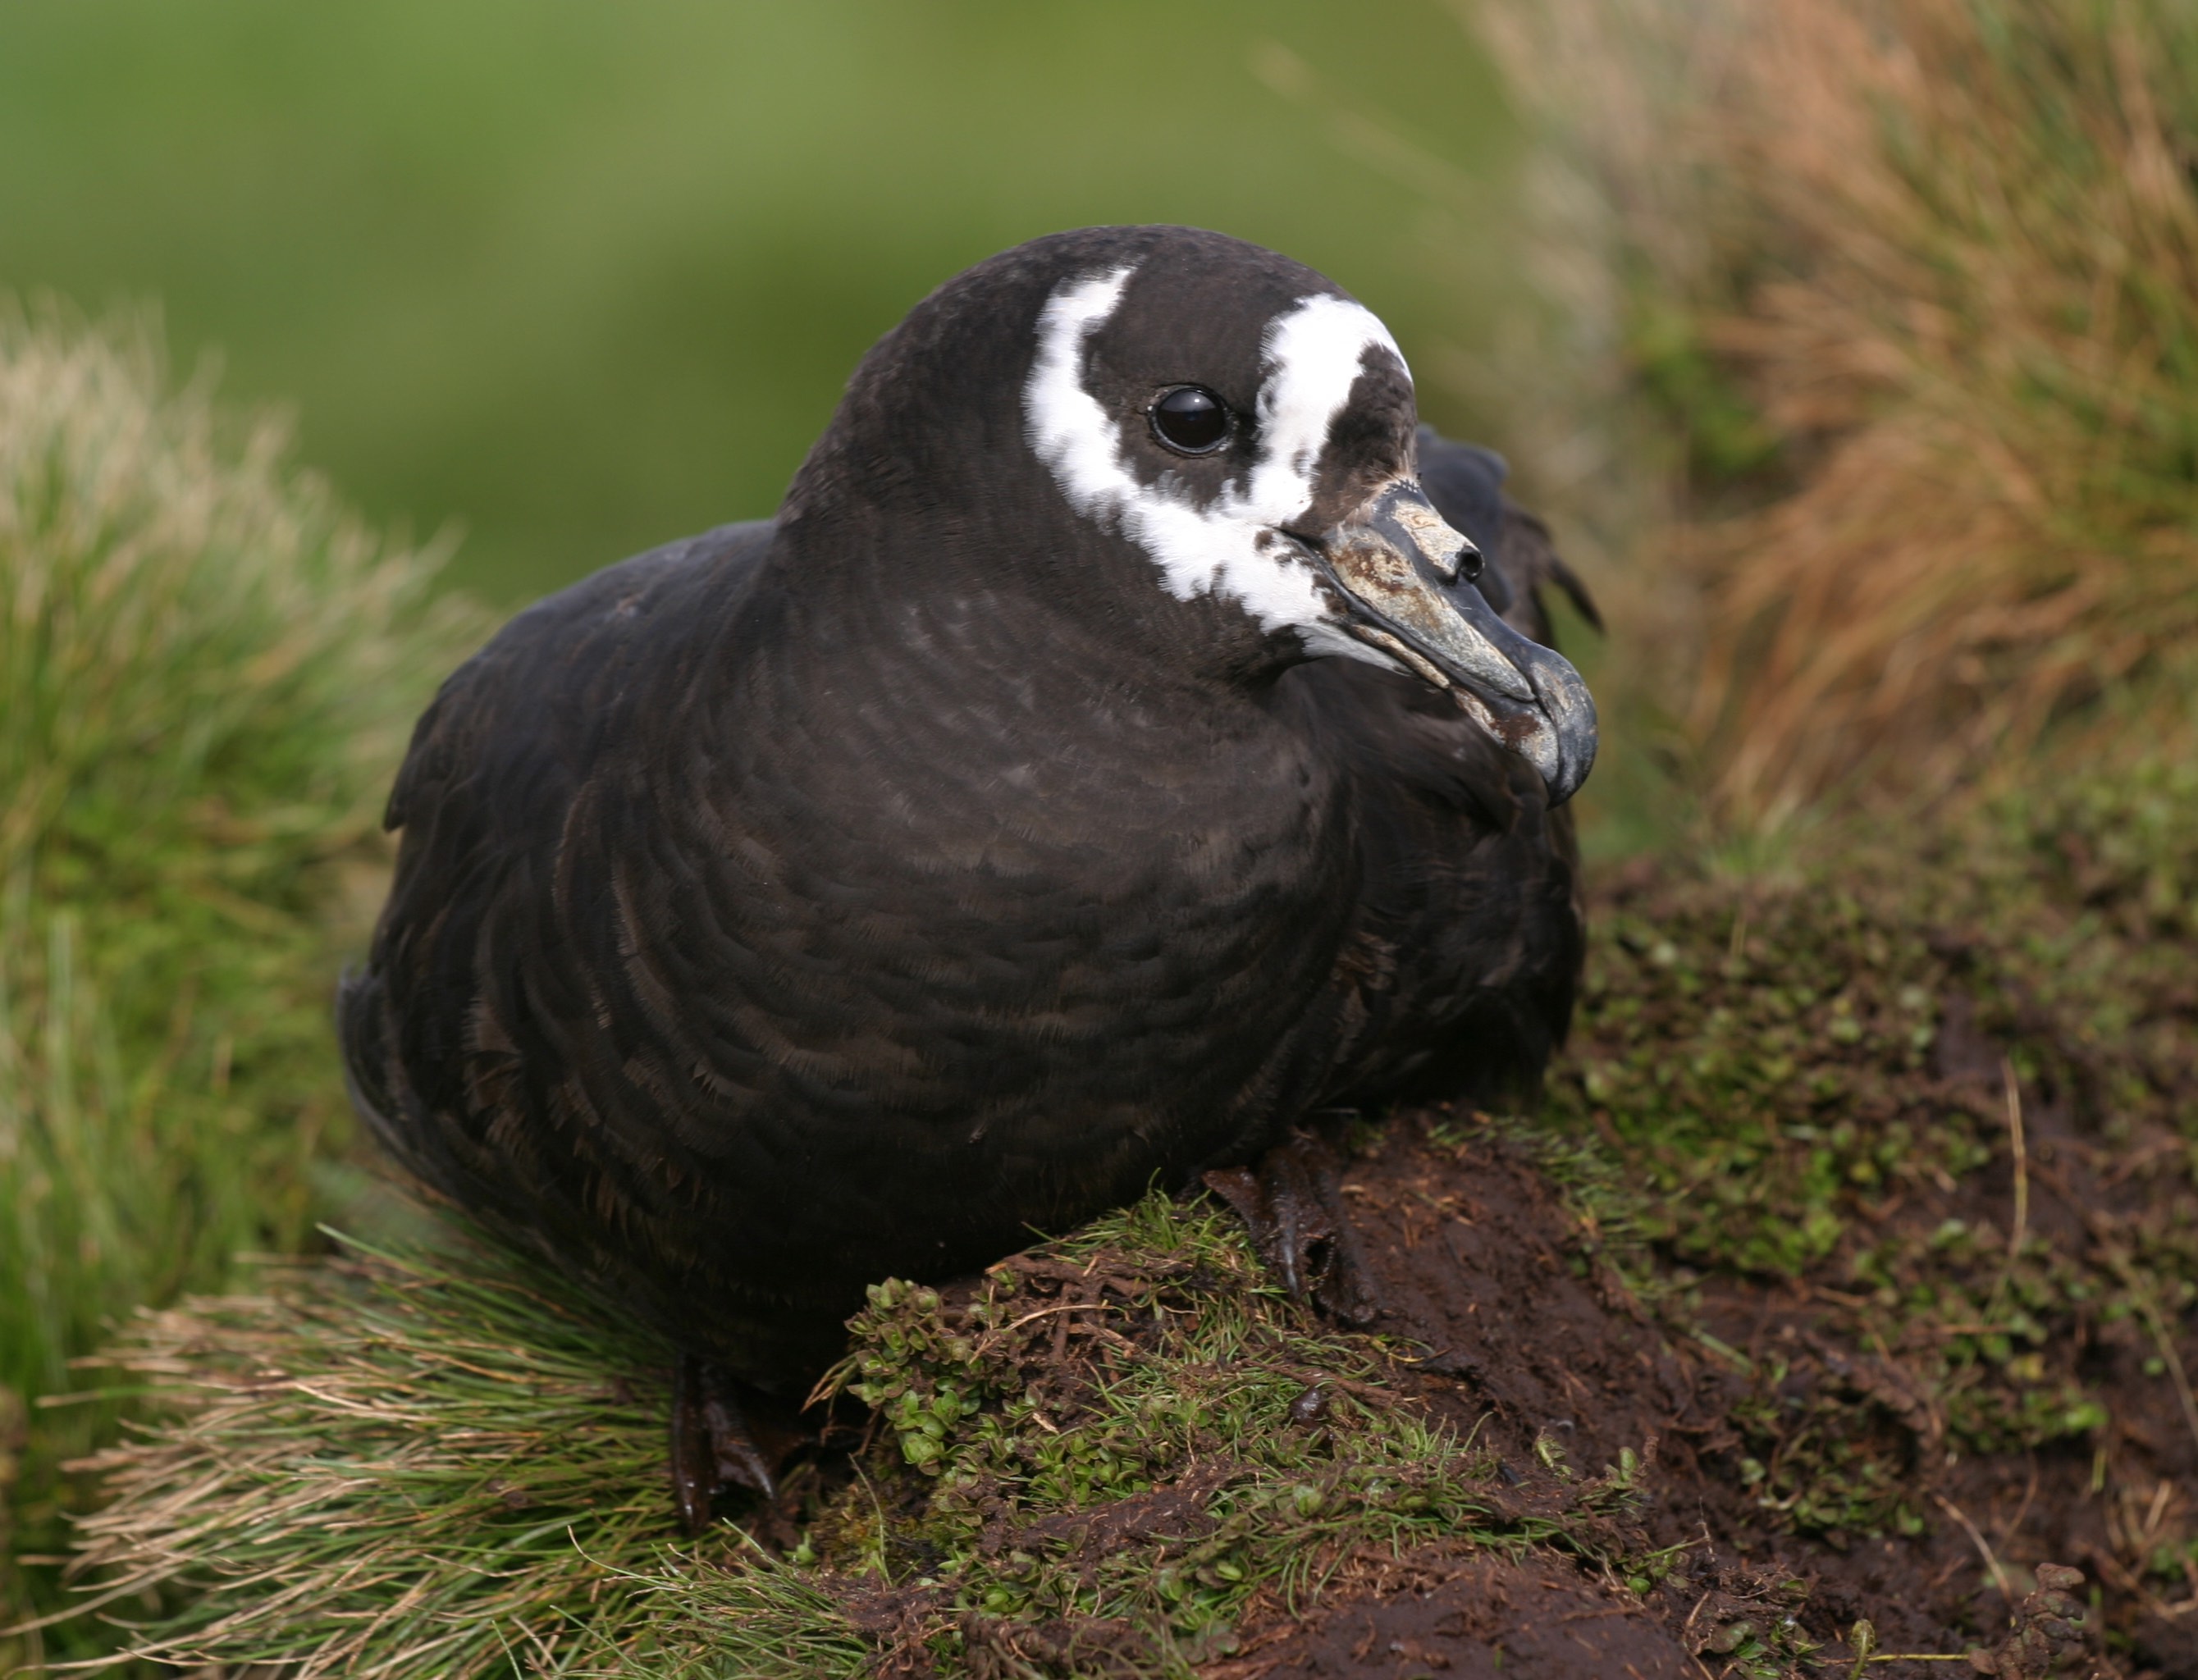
(577, 278)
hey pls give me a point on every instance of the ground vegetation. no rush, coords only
(206, 668)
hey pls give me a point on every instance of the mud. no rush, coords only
(1465, 1619)
(1531, 1341)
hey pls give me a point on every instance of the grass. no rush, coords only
(426, 1451)
(1909, 306)
(440, 1463)
(205, 671)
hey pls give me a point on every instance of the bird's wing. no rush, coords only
(497, 765)
(1466, 484)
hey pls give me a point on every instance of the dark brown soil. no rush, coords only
(1515, 1330)
(1529, 1339)
(1476, 1256)
(1465, 1619)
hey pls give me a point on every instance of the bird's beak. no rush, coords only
(1407, 577)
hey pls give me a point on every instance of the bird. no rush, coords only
(1111, 758)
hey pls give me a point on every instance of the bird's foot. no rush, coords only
(1292, 1202)
(716, 1443)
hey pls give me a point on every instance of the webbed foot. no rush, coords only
(1291, 1199)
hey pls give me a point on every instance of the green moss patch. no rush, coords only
(1904, 1139)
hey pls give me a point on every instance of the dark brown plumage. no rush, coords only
(849, 894)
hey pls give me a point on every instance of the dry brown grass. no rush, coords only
(1920, 285)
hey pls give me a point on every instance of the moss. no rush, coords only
(1758, 1059)
(1867, 1076)
(1224, 1441)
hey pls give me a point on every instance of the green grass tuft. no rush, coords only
(207, 668)
(1906, 300)
(432, 1459)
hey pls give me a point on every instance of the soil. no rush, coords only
(1536, 1346)
(1478, 1256)
(1468, 1619)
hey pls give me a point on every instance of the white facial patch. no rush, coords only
(1313, 352)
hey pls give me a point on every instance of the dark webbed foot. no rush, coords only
(1291, 1202)
(713, 1446)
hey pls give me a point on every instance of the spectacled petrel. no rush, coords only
(1112, 755)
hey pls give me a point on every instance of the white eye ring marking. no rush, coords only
(1314, 352)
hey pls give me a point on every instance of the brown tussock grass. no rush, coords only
(1945, 255)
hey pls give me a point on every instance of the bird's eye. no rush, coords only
(1191, 419)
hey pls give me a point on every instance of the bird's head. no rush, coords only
(1209, 443)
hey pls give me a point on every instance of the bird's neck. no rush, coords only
(1027, 713)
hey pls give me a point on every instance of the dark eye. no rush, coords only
(1191, 419)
